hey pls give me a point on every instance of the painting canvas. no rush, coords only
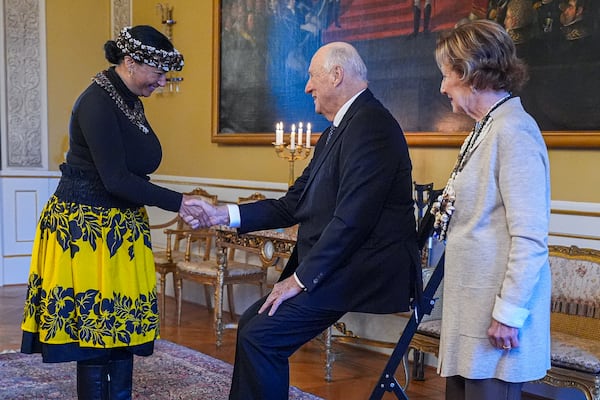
(265, 47)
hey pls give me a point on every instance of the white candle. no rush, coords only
(308, 132)
(280, 133)
(293, 138)
(300, 134)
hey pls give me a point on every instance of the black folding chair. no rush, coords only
(387, 381)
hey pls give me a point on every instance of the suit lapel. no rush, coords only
(333, 142)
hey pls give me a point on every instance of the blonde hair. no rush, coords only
(483, 54)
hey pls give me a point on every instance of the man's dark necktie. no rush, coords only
(330, 134)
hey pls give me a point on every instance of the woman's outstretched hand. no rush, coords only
(199, 214)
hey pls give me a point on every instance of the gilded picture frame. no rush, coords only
(262, 50)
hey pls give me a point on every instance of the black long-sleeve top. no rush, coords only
(109, 157)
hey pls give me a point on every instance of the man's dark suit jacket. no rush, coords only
(356, 248)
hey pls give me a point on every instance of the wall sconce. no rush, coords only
(166, 14)
(173, 82)
(166, 17)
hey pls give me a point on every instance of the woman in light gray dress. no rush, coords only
(493, 215)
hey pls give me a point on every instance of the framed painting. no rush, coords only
(262, 49)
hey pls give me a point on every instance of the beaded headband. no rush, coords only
(165, 60)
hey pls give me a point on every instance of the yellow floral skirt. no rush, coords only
(92, 282)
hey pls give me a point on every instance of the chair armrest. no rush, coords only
(171, 222)
(205, 235)
(179, 234)
(171, 231)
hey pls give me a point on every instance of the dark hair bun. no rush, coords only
(113, 54)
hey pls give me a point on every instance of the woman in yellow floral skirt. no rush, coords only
(91, 294)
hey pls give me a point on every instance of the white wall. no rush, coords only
(23, 197)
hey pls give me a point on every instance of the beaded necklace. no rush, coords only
(136, 116)
(444, 206)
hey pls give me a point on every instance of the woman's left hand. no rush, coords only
(502, 336)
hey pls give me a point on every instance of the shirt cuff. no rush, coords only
(298, 282)
(235, 221)
(509, 314)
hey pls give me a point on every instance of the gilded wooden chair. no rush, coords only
(574, 322)
(226, 272)
(256, 196)
(235, 269)
(277, 267)
(165, 260)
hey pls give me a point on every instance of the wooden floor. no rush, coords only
(355, 371)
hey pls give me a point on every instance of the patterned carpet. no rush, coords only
(173, 372)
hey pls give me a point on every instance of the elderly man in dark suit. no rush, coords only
(356, 248)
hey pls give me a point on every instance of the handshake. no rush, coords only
(199, 214)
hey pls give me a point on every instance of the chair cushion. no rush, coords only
(575, 353)
(210, 268)
(431, 327)
(567, 351)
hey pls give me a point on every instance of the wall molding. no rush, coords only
(227, 189)
(25, 122)
(575, 223)
(121, 12)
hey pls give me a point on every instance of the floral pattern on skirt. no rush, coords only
(92, 277)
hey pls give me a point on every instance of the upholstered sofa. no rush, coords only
(575, 321)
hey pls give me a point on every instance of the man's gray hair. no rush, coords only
(346, 56)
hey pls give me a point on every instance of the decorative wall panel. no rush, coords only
(24, 83)
(121, 15)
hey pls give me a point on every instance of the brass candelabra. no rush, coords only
(295, 150)
(291, 154)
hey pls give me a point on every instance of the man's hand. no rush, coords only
(286, 289)
(199, 214)
(502, 336)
